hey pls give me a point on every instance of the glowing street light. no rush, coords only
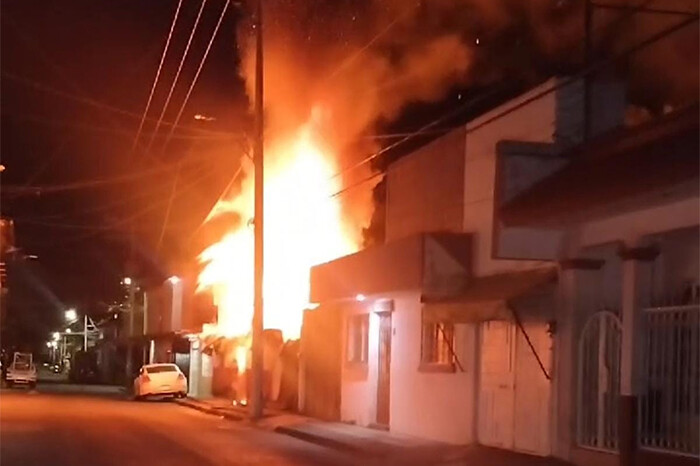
(127, 281)
(71, 315)
(174, 280)
(56, 336)
(360, 297)
(69, 330)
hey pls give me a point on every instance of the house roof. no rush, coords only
(657, 158)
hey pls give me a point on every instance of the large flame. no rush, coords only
(303, 227)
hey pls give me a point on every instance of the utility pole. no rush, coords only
(85, 330)
(256, 400)
(130, 343)
(588, 59)
(131, 283)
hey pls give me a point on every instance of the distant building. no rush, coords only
(516, 300)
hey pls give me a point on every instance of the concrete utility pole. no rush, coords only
(85, 330)
(256, 399)
(588, 59)
(130, 344)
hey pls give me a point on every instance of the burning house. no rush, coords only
(498, 302)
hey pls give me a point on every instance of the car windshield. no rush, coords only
(161, 368)
(22, 366)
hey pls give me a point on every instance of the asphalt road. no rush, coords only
(56, 426)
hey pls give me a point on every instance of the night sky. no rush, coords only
(75, 79)
(76, 76)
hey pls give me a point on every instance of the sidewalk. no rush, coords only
(370, 444)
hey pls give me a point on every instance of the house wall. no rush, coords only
(424, 190)
(534, 122)
(433, 405)
(674, 231)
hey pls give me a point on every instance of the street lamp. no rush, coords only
(127, 281)
(68, 330)
(56, 336)
(71, 315)
(174, 280)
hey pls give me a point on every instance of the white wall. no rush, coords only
(359, 386)
(534, 122)
(634, 225)
(437, 406)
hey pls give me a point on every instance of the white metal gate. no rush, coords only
(669, 401)
(599, 381)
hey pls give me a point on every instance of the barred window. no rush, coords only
(437, 344)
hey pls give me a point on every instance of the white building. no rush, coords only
(464, 326)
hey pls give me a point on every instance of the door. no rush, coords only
(496, 391)
(532, 390)
(384, 369)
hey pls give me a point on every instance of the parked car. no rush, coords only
(160, 380)
(22, 371)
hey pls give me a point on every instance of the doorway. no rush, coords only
(514, 394)
(384, 370)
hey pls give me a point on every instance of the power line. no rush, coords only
(84, 184)
(119, 132)
(196, 76)
(352, 58)
(177, 74)
(42, 87)
(563, 83)
(155, 80)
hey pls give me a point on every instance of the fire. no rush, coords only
(303, 227)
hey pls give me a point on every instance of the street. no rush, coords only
(55, 427)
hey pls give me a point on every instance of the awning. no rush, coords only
(487, 298)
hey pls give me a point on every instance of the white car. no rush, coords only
(22, 371)
(160, 380)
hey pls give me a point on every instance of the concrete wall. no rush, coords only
(424, 190)
(433, 405)
(534, 122)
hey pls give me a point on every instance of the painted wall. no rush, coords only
(359, 382)
(424, 190)
(438, 406)
(534, 122)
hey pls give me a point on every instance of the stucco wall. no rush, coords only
(534, 122)
(424, 190)
(436, 406)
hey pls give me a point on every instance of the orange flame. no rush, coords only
(303, 227)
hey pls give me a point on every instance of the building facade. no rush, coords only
(460, 327)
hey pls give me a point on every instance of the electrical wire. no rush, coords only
(42, 87)
(177, 75)
(564, 82)
(155, 80)
(353, 57)
(88, 184)
(196, 76)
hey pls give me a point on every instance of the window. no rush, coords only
(357, 336)
(437, 344)
(161, 368)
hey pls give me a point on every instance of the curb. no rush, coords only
(189, 403)
(319, 440)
